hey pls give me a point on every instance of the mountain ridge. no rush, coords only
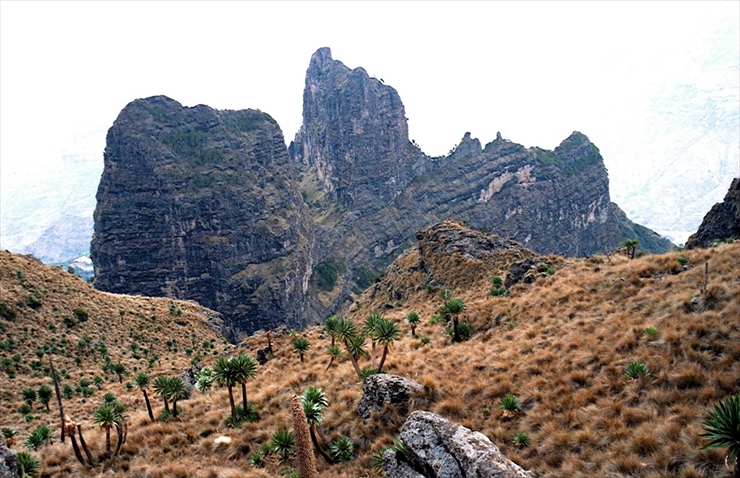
(167, 221)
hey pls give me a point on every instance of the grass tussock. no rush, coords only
(561, 345)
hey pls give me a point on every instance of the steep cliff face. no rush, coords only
(721, 222)
(370, 189)
(354, 135)
(201, 204)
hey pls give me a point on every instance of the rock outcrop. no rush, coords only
(8, 462)
(201, 204)
(721, 222)
(381, 389)
(369, 188)
(439, 448)
(526, 271)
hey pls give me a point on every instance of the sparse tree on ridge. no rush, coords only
(347, 332)
(330, 327)
(334, 352)
(141, 381)
(413, 320)
(246, 369)
(368, 330)
(45, 396)
(385, 334)
(314, 403)
(224, 374)
(453, 308)
(175, 391)
(630, 247)
(160, 389)
(105, 417)
(356, 349)
(120, 370)
(301, 346)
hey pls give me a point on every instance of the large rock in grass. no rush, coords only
(380, 389)
(439, 448)
(8, 462)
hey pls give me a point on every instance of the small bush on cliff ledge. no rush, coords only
(327, 272)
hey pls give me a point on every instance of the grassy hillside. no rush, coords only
(561, 345)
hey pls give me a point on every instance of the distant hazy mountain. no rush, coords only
(676, 163)
(47, 211)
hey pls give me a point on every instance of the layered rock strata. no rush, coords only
(370, 189)
(201, 204)
(197, 203)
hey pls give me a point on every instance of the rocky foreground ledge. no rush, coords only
(438, 448)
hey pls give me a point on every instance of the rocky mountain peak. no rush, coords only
(468, 147)
(354, 133)
(721, 222)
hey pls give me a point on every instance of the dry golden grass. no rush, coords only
(560, 344)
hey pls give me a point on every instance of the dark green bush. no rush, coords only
(364, 277)
(327, 272)
(33, 302)
(7, 312)
(81, 315)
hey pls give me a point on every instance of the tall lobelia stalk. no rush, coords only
(304, 448)
(58, 395)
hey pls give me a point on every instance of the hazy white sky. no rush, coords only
(536, 71)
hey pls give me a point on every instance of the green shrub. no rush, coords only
(497, 281)
(28, 465)
(437, 319)
(651, 333)
(39, 437)
(378, 460)
(425, 340)
(165, 415)
(342, 449)
(510, 403)
(363, 277)
(283, 442)
(33, 302)
(257, 460)
(521, 439)
(68, 391)
(497, 291)
(250, 416)
(464, 329)
(682, 260)
(7, 312)
(551, 271)
(327, 272)
(81, 315)
(25, 409)
(636, 369)
(368, 371)
(722, 428)
(29, 396)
